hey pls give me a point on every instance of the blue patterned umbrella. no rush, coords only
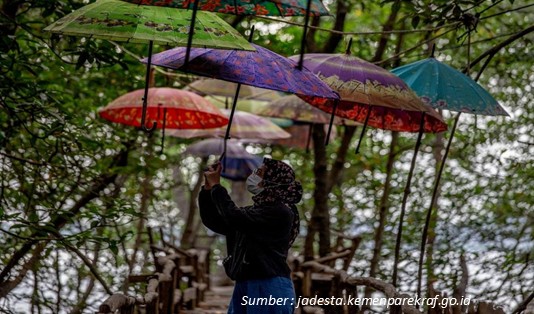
(237, 162)
(444, 87)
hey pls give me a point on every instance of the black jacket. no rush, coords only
(267, 231)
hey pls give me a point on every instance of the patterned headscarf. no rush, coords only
(280, 186)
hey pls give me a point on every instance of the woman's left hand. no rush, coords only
(212, 176)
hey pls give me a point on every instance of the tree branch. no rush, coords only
(61, 220)
(89, 265)
(493, 51)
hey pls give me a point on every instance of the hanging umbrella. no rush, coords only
(371, 95)
(293, 108)
(247, 105)
(122, 21)
(238, 163)
(296, 109)
(300, 137)
(246, 7)
(376, 97)
(263, 68)
(213, 87)
(168, 107)
(246, 126)
(443, 87)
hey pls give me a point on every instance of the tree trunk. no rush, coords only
(189, 228)
(333, 40)
(382, 212)
(320, 195)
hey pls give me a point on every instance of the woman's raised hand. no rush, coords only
(213, 175)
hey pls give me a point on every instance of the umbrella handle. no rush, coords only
(336, 102)
(405, 198)
(347, 52)
(363, 129)
(145, 97)
(191, 33)
(429, 211)
(303, 41)
(163, 130)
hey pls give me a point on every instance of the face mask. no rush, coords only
(253, 182)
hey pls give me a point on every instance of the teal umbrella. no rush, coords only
(444, 87)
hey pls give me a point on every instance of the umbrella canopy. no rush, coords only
(245, 7)
(369, 92)
(261, 68)
(238, 163)
(238, 169)
(245, 126)
(213, 87)
(169, 107)
(444, 87)
(300, 137)
(123, 21)
(215, 147)
(293, 108)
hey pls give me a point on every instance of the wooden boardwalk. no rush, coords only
(215, 301)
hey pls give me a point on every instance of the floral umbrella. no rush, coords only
(246, 126)
(376, 97)
(444, 87)
(123, 21)
(263, 68)
(371, 95)
(168, 107)
(244, 7)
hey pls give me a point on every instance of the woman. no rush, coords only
(258, 237)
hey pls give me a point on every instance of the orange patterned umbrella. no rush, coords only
(170, 108)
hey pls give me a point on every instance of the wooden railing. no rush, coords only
(327, 277)
(180, 280)
(182, 277)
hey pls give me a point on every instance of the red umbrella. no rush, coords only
(168, 107)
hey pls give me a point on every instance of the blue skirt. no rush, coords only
(265, 296)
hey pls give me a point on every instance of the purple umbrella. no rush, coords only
(263, 68)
